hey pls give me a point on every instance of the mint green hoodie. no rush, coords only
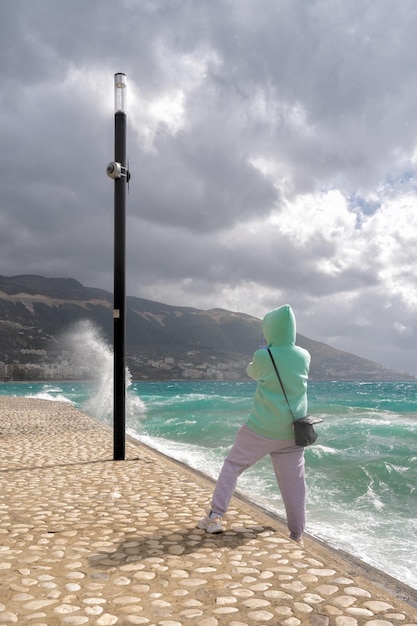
(270, 416)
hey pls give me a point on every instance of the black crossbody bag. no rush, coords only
(304, 431)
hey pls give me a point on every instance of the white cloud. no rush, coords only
(166, 108)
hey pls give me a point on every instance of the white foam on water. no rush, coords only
(206, 461)
(45, 395)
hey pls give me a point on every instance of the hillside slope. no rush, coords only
(36, 311)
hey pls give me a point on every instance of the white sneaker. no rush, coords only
(211, 523)
(299, 541)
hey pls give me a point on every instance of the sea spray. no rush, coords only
(92, 357)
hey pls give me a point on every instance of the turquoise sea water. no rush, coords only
(361, 473)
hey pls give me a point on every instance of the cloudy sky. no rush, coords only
(273, 151)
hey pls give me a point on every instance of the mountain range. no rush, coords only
(162, 341)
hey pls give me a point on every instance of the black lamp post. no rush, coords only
(117, 170)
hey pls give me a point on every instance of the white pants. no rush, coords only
(288, 462)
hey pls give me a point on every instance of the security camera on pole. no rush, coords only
(117, 170)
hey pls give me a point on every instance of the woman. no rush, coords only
(269, 429)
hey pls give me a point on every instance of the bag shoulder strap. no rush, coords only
(280, 382)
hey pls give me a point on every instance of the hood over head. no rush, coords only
(278, 326)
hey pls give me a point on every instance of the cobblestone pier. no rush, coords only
(88, 540)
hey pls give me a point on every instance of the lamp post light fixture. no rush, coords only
(120, 93)
(117, 170)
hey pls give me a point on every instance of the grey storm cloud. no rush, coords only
(272, 145)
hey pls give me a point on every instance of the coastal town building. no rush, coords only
(41, 365)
